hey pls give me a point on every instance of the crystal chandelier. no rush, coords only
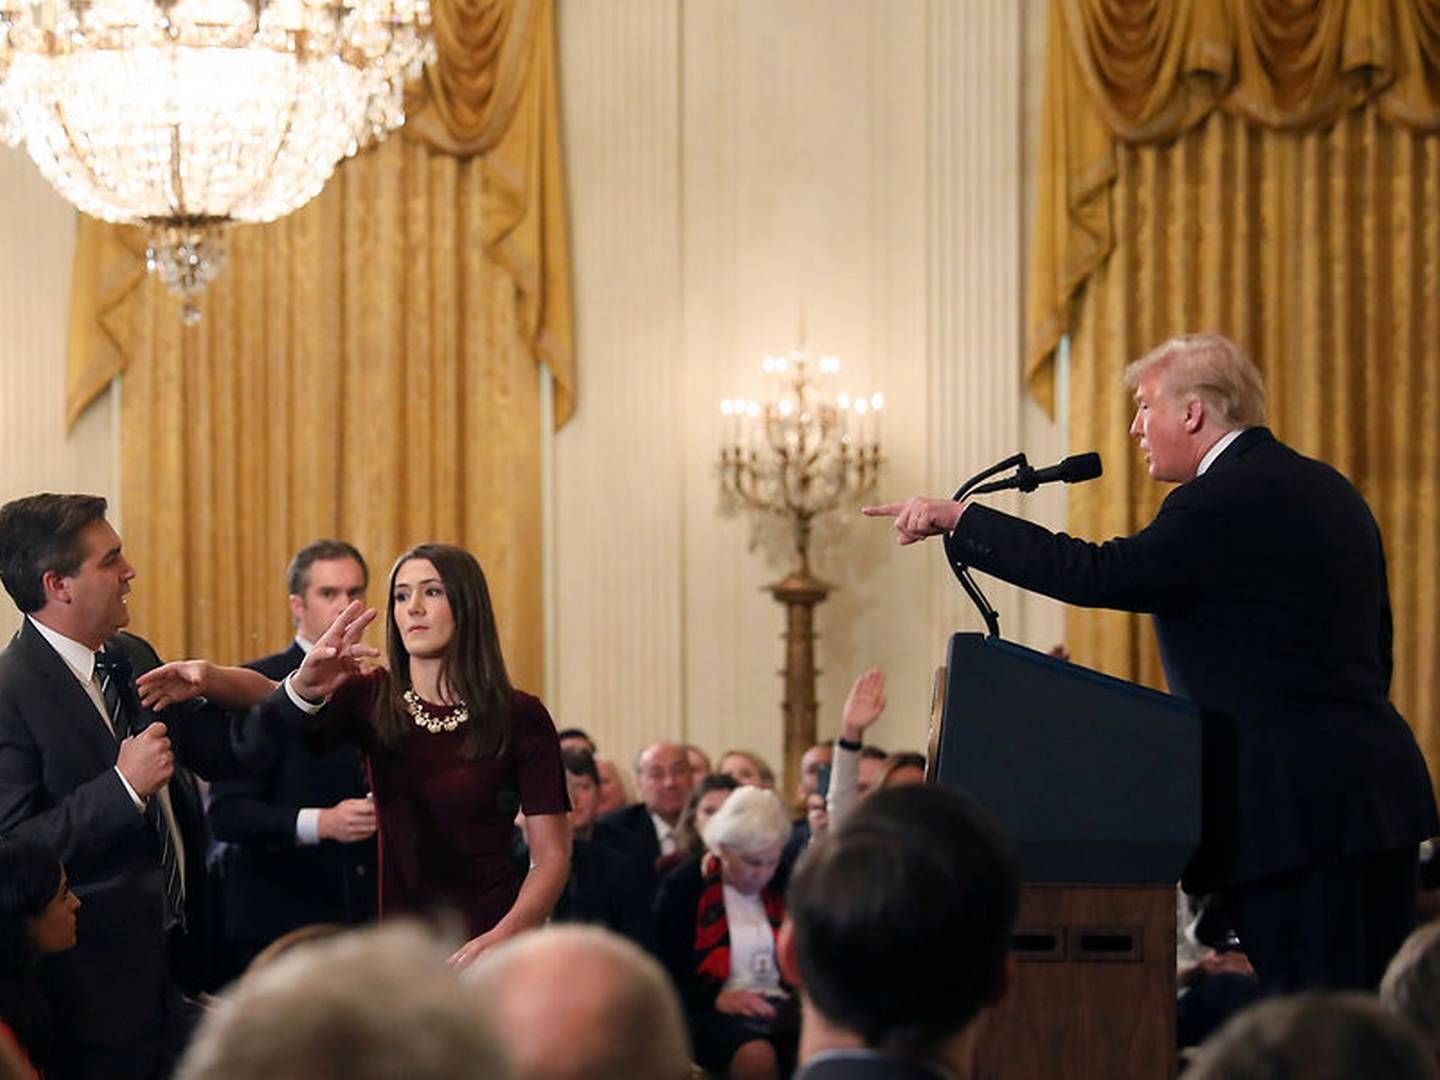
(188, 115)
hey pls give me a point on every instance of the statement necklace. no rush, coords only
(425, 719)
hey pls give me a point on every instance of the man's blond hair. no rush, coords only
(1212, 368)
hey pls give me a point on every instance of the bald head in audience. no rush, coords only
(580, 1002)
(368, 1005)
(1314, 1037)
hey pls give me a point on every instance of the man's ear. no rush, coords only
(297, 607)
(785, 953)
(1194, 415)
(57, 587)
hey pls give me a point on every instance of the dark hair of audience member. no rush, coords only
(687, 836)
(472, 665)
(903, 917)
(873, 753)
(901, 759)
(577, 733)
(580, 762)
(297, 577)
(39, 535)
(1314, 1037)
(29, 881)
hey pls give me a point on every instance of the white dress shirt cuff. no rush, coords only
(309, 707)
(136, 799)
(307, 825)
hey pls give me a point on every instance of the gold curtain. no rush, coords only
(1301, 217)
(365, 368)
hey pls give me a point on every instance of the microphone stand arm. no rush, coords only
(974, 485)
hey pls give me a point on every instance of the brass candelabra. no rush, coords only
(801, 454)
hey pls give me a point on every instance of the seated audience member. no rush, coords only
(1314, 1037)
(855, 767)
(709, 795)
(901, 769)
(37, 919)
(1411, 986)
(614, 794)
(369, 1005)
(663, 775)
(1214, 978)
(699, 760)
(607, 885)
(300, 836)
(898, 936)
(574, 736)
(814, 764)
(746, 767)
(579, 1003)
(717, 917)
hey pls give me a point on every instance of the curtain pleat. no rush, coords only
(364, 368)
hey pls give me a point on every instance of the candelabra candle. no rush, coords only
(803, 453)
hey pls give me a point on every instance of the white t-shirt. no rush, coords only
(752, 944)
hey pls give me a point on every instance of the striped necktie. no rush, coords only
(125, 713)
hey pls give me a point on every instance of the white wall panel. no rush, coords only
(37, 247)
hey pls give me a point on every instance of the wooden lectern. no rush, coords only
(1097, 783)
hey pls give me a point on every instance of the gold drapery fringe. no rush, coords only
(1319, 252)
(366, 367)
(1140, 71)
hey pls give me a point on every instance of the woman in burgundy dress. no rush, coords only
(452, 749)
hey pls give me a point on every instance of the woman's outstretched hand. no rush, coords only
(336, 656)
(183, 680)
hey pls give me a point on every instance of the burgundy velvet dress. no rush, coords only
(446, 824)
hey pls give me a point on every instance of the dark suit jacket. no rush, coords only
(58, 786)
(272, 884)
(630, 827)
(609, 887)
(1266, 580)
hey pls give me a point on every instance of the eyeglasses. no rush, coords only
(675, 772)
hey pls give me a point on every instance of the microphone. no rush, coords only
(1073, 470)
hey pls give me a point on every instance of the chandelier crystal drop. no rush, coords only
(190, 115)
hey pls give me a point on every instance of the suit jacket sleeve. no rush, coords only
(91, 816)
(243, 810)
(1160, 569)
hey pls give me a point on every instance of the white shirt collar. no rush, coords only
(305, 643)
(79, 658)
(1218, 449)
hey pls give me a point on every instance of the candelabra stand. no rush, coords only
(793, 458)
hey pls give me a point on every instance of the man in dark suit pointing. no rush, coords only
(1265, 574)
(86, 770)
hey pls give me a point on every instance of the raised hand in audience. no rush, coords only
(863, 705)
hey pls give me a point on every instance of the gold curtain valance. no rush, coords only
(1141, 71)
(492, 93)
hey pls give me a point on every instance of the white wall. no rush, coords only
(730, 163)
(37, 247)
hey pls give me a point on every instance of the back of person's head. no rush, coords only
(1212, 368)
(580, 762)
(1411, 986)
(1314, 1037)
(902, 917)
(40, 534)
(368, 1005)
(580, 1002)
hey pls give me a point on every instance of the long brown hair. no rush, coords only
(472, 667)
